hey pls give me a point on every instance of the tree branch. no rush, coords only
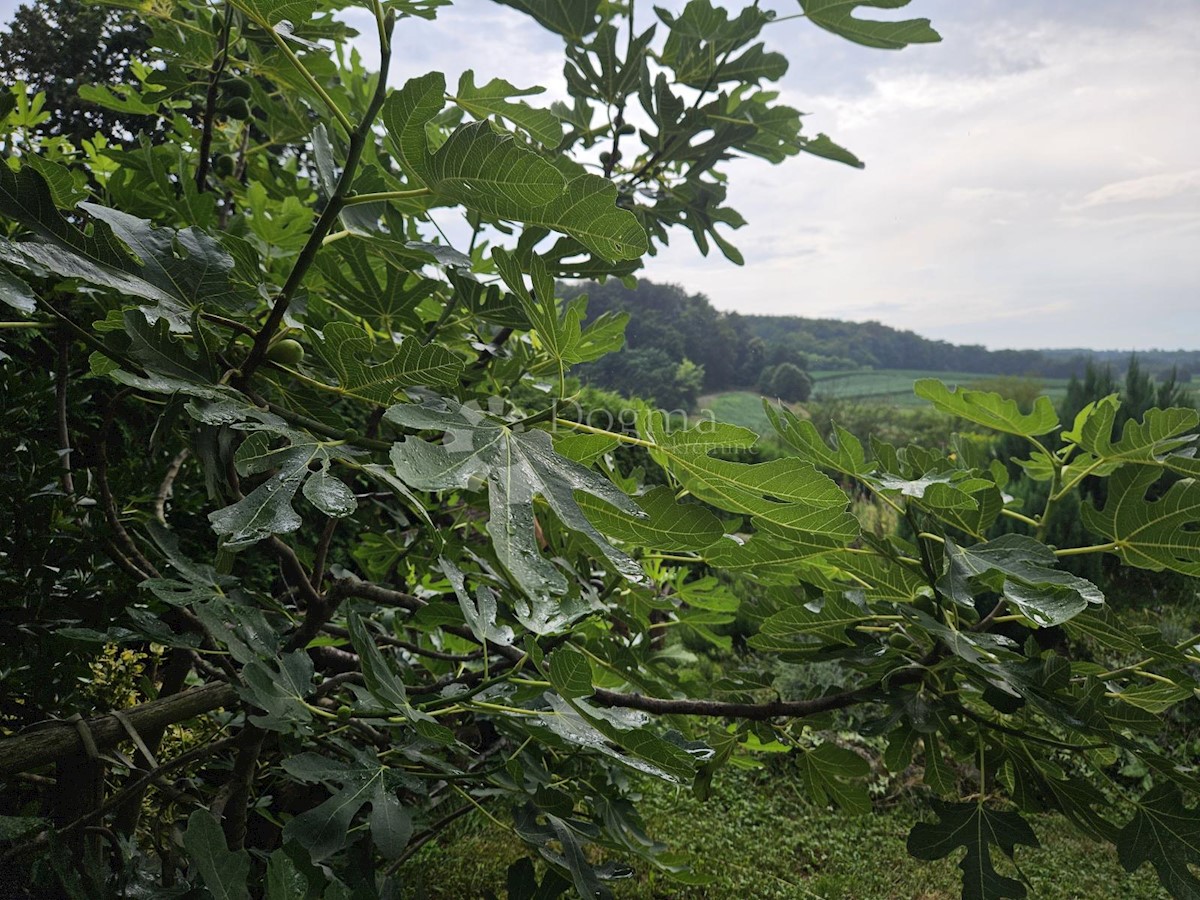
(59, 739)
(758, 712)
(210, 102)
(329, 216)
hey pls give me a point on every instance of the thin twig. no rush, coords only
(110, 505)
(62, 377)
(164, 489)
(322, 552)
(409, 646)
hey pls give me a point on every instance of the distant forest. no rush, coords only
(679, 345)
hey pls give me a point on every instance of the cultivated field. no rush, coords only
(893, 387)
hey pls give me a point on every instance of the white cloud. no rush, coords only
(1162, 186)
(988, 211)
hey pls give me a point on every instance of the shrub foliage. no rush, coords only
(313, 459)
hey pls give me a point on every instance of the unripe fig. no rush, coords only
(626, 129)
(224, 165)
(286, 352)
(344, 712)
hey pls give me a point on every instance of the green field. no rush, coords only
(737, 408)
(894, 387)
(873, 387)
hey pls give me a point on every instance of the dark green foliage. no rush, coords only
(58, 46)
(312, 498)
(789, 382)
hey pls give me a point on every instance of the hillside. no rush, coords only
(678, 346)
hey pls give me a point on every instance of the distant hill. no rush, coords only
(833, 343)
(678, 345)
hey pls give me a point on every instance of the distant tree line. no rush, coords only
(679, 346)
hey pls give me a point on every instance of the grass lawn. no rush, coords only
(759, 838)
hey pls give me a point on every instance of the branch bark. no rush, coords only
(60, 740)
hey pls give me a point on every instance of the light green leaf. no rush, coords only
(787, 492)
(878, 577)
(494, 175)
(58, 177)
(975, 520)
(561, 336)
(491, 173)
(1150, 534)
(989, 409)
(830, 772)
(270, 13)
(224, 872)
(668, 526)
(518, 467)
(1156, 697)
(838, 16)
(492, 99)
(570, 673)
(765, 557)
(802, 628)
(583, 448)
(405, 114)
(347, 349)
(124, 98)
(587, 211)
(1164, 437)
(842, 453)
(1102, 626)
(976, 828)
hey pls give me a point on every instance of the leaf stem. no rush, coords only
(1013, 514)
(591, 429)
(1082, 551)
(384, 196)
(309, 78)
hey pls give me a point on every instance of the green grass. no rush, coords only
(757, 837)
(875, 387)
(894, 387)
(737, 408)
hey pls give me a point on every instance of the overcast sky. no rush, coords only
(1031, 181)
